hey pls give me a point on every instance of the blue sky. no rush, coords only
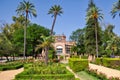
(73, 17)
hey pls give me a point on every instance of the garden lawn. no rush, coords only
(85, 76)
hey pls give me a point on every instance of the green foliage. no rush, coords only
(114, 78)
(99, 61)
(109, 62)
(77, 64)
(34, 33)
(85, 76)
(100, 76)
(39, 70)
(55, 11)
(78, 37)
(77, 79)
(10, 66)
(92, 32)
(115, 9)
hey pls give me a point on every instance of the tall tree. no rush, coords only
(55, 10)
(6, 46)
(94, 14)
(116, 9)
(78, 36)
(26, 8)
(35, 32)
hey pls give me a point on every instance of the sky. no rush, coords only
(73, 17)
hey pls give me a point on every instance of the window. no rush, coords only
(67, 47)
(59, 49)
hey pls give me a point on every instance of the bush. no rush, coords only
(41, 71)
(99, 61)
(77, 79)
(46, 77)
(100, 76)
(78, 64)
(10, 66)
(109, 62)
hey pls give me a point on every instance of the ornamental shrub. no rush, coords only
(40, 71)
(77, 64)
(10, 66)
(109, 62)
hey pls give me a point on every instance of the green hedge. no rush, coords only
(109, 62)
(100, 76)
(99, 61)
(46, 77)
(39, 71)
(77, 64)
(10, 66)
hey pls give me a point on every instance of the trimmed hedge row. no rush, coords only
(109, 62)
(77, 64)
(40, 71)
(67, 76)
(10, 66)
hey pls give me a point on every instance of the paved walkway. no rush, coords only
(107, 71)
(10, 74)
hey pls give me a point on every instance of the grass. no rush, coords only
(85, 76)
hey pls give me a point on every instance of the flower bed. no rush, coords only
(40, 71)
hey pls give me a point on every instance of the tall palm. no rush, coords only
(26, 8)
(55, 10)
(116, 9)
(46, 43)
(95, 15)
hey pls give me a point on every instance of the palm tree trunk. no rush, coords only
(53, 24)
(46, 55)
(96, 37)
(25, 35)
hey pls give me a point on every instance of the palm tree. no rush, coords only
(26, 8)
(116, 9)
(95, 15)
(55, 10)
(46, 43)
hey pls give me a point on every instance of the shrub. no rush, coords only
(78, 64)
(109, 62)
(100, 76)
(99, 61)
(41, 71)
(46, 77)
(114, 78)
(84, 57)
(77, 79)
(10, 66)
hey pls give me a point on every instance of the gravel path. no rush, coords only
(108, 71)
(10, 74)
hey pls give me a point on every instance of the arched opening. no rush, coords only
(59, 49)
